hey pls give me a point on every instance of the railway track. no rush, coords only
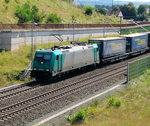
(50, 96)
(17, 90)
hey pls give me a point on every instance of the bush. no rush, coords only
(111, 102)
(142, 17)
(28, 14)
(118, 103)
(89, 10)
(35, 16)
(95, 103)
(7, 1)
(101, 10)
(114, 102)
(79, 116)
(23, 13)
(53, 18)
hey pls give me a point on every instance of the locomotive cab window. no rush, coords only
(39, 56)
(47, 57)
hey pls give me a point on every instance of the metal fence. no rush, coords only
(64, 26)
(138, 67)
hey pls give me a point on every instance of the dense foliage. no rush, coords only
(7, 1)
(101, 10)
(89, 10)
(26, 13)
(131, 12)
(53, 18)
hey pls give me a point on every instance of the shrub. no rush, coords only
(23, 13)
(118, 103)
(53, 18)
(114, 102)
(95, 103)
(89, 10)
(79, 116)
(7, 1)
(73, 18)
(101, 10)
(35, 16)
(111, 102)
(90, 111)
(6, 7)
(28, 14)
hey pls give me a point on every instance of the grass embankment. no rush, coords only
(13, 64)
(135, 30)
(63, 9)
(129, 107)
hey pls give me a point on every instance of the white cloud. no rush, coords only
(134, 0)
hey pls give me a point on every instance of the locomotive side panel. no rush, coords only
(79, 57)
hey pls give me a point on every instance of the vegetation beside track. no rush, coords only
(129, 107)
(13, 64)
(134, 30)
(63, 8)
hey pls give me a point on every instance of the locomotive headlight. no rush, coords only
(47, 69)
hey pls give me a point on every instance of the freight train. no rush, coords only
(58, 60)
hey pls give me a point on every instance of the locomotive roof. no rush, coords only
(68, 47)
(112, 38)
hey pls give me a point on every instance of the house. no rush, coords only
(148, 10)
(76, 2)
(117, 13)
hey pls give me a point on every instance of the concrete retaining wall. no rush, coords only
(11, 40)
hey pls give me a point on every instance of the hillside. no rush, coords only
(63, 9)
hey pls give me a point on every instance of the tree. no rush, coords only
(132, 12)
(116, 8)
(89, 9)
(142, 17)
(129, 11)
(101, 10)
(130, 4)
(142, 9)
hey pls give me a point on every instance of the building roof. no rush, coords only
(118, 13)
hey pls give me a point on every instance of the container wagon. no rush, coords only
(136, 43)
(110, 49)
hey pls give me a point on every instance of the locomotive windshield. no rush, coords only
(39, 56)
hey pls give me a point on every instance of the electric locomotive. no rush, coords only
(58, 60)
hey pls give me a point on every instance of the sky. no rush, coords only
(121, 0)
(134, 0)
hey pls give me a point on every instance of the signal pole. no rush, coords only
(112, 4)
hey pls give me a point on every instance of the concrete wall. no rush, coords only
(11, 40)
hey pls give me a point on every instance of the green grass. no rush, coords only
(134, 30)
(13, 64)
(63, 9)
(134, 109)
